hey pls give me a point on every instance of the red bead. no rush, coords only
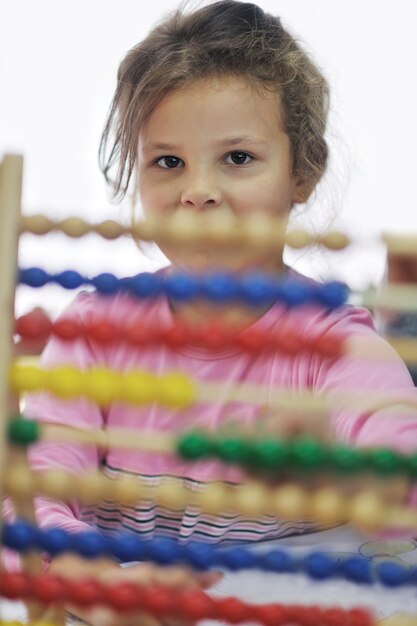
(175, 336)
(34, 325)
(359, 617)
(213, 336)
(15, 585)
(102, 331)
(251, 340)
(235, 611)
(67, 329)
(196, 605)
(160, 601)
(124, 596)
(84, 592)
(271, 614)
(289, 341)
(310, 615)
(47, 588)
(139, 335)
(334, 617)
(328, 346)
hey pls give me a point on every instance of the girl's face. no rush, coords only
(218, 146)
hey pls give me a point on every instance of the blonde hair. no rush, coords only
(225, 38)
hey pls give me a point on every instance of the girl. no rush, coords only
(216, 111)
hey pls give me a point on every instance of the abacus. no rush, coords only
(262, 456)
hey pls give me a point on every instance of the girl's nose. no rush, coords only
(201, 193)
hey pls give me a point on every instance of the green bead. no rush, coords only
(270, 454)
(308, 454)
(346, 460)
(411, 465)
(384, 461)
(23, 432)
(193, 446)
(233, 450)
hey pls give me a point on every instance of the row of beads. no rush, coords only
(304, 454)
(327, 505)
(104, 386)
(188, 227)
(162, 601)
(212, 336)
(254, 289)
(24, 537)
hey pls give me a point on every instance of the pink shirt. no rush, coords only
(231, 367)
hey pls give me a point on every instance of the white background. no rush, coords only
(58, 64)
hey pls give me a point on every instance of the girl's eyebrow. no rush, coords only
(228, 141)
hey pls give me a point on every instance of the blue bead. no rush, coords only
(296, 293)
(164, 551)
(145, 285)
(20, 536)
(200, 555)
(333, 294)
(277, 561)
(357, 568)
(54, 541)
(182, 286)
(106, 283)
(127, 547)
(320, 566)
(34, 277)
(69, 279)
(392, 574)
(236, 559)
(89, 544)
(219, 287)
(256, 289)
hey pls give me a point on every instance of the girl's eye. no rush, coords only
(168, 162)
(239, 158)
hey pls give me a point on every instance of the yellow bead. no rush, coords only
(176, 391)
(367, 511)
(57, 483)
(335, 240)
(213, 498)
(250, 499)
(19, 481)
(298, 238)
(74, 227)
(102, 386)
(26, 377)
(64, 382)
(91, 487)
(37, 224)
(289, 502)
(183, 226)
(139, 388)
(110, 229)
(127, 490)
(327, 506)
(171, 494)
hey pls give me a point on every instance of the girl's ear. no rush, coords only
(302, 190)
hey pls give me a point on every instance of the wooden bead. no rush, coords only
(19, 482)
(184, 227)
(327, 506)
(37, 224)
(171, 494)
(298, 238)
(250, 499)
(57, 484)
(335, 240)
(367, 511)
(91, 488)
(126, 490)
(74, 227)
(213, 498)
(289, 502)
(219, 225)
(145, 230)
(109, 229)
(259, 231)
